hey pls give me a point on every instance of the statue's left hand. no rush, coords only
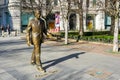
(28, 43)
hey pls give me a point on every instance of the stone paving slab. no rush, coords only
(60, 61)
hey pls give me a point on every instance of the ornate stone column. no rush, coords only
(15, 13)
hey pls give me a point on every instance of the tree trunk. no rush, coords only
(81, 25)
(112, 25)
(115, 40)
(116, 31)
(66, 30)
(81, 20)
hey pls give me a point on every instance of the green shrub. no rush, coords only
(99, 36)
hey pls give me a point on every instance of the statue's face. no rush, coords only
(37, 14)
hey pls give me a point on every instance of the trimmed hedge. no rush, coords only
(100, 36)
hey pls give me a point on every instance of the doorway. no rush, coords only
(72, 21)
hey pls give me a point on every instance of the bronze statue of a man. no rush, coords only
(35, 31)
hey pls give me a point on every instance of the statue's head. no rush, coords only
(37, 13)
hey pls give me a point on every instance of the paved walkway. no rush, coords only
(62, 62)
(93, 47)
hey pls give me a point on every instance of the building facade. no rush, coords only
(93, 18)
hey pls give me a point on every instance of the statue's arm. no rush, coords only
(44, 27)
(28, 31)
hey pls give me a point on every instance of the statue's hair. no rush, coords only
(36, 11)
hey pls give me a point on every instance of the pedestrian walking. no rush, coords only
(2, 28)
(8, 30)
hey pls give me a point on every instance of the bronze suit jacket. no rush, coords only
(35, 31)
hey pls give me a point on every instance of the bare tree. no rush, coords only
(116, 31)
(65, 9)
(79, 10)
(68, 6)
(112, 9)
(44, 5)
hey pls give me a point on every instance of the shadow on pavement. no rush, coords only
(56, 61)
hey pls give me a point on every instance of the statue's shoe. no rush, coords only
(39, 68)
(33, 63)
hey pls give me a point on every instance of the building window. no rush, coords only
(87, 3)
(6, 2)
(47, 2)
(91, 3)
(55, 2)
(94, 3)
(75, 2)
